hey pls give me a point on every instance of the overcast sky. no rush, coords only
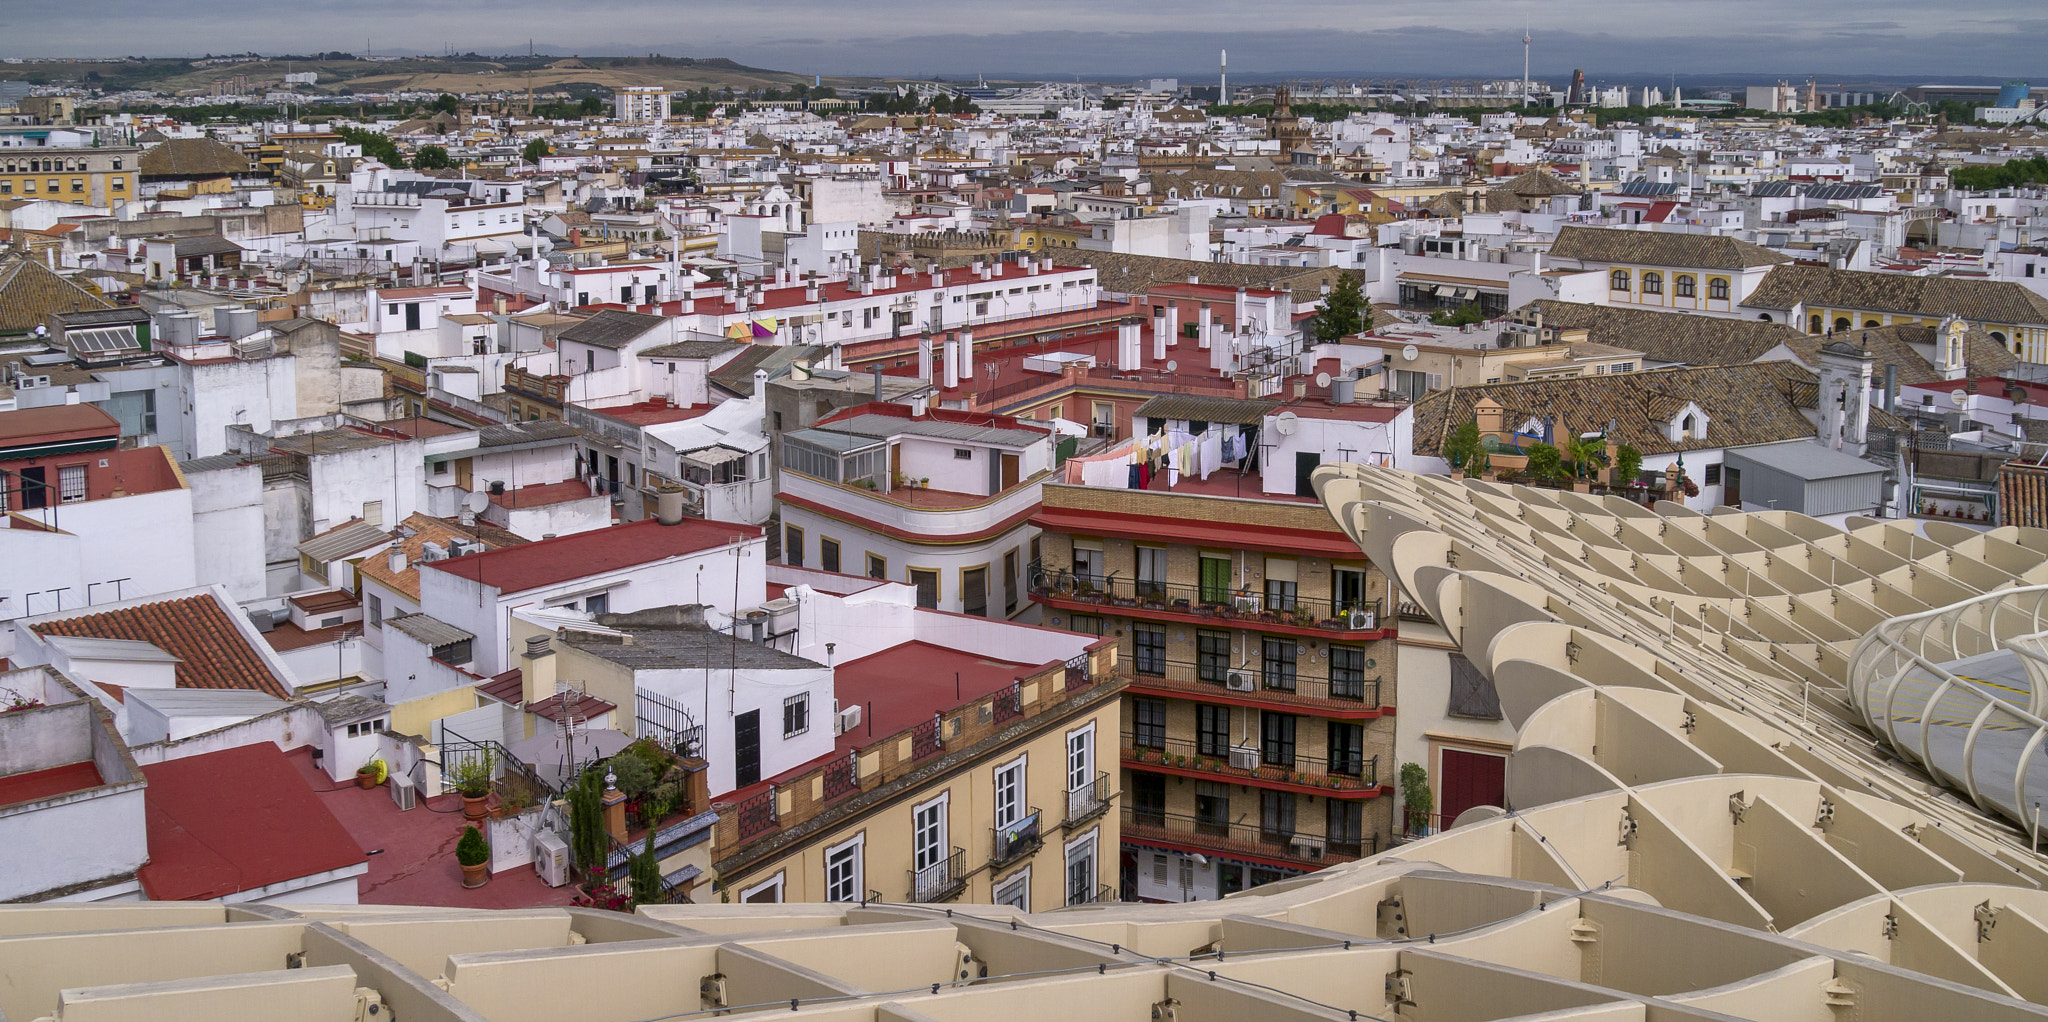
(1608, 38)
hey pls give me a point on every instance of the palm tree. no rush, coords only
(1588, 454)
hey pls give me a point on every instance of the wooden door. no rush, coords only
(1010, 463)
(1470, 779)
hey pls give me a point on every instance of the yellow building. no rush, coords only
(1819, 300)
(93, 177)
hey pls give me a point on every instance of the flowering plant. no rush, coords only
(603, 895)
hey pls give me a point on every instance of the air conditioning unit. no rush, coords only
(404, 794)
(1244, 757)
(1361, 619)
(551, 859)
(848, 719)
(1241, 681)
(1247, 604)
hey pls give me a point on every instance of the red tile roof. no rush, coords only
(551, 561)
(277, 831)
(212, 652)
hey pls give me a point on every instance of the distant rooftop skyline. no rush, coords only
(1465, 38)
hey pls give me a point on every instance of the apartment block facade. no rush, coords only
(1257, 733)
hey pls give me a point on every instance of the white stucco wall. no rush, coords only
(227, 509)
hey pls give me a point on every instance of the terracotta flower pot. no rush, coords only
(477, 875)
(366, 780)
(473, 808)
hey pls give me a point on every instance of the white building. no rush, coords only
(640, 104)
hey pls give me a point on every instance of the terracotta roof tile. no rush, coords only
(196, 629)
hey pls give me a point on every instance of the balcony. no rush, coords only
(1016, 841)
(1088, 801)
(1083, 895)
(1268, 767)
(914, 514)
(1211, 606)
(1294, 850)
(942, 880)
(1344, 699)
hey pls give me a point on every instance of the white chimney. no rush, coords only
(1127, 343)
(1173, 324)
(924, 358)
(811, 290)
(1159, 340)
(761, 387)
(867, 287)
(1205, 332)
(952, 362)
(397, 560)
(967, 355)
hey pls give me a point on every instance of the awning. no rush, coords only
(712, 457)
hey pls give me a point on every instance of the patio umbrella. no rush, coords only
(554, 757)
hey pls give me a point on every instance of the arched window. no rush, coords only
(1684, 285)
(1653, 283)
(1871, 324)
(1813, 323)
(1618, 280)
(1842, 323)
(1765, 317)
(1717, 289)
(1998, 335)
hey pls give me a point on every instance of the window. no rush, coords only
(1080, 758)
(828, 554)
(843, 869)
(1276, 815)
(1081, 871)
(1148, 643)
(1347, 672)
(1683, 285)
(796, 714)
(1152, 572)
(1212, 730)
(1010, 576)
(974, 591)
(71, 483)
(366, 728)
(1212, 809)
(927, 582)
(1279, 663)
(1713, 474)
(1346, 825)
(963, 454)
(1347, 748)
(1015, 890)
(597, 603)
(1086, 624)
(1215, 578)
(1717, 289)
(792, 546)
(1653, 283)
(928, 845)
(1280, 583)
(1347, 589)
(768, 892)
(1010, 793)
(1276, 733)
(455, 653)
(1148, 729)
(1618, 280)
(878, 567)
(376, 609)
(1212, 655)
(1148, 799)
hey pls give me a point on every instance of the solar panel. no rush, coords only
(102, 340)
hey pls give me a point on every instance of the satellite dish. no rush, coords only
(1958, 396)
(1410, 351)
(1322, 379)
(1173, 365)
(477, 501)
(1286, 423)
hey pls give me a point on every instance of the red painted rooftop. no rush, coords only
(795, 296)
(552, 561)
(40, 784)
(415, 860)
(653, 413)
(236, 820)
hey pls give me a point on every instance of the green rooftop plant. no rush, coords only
(472, 849)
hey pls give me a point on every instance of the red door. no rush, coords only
(1470, 779)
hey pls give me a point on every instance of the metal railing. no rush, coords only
(1082, 894)
(1252, 758)
(756, 815)
(1230, 606)
(1089, 800)
(1245, 836)
(928, 738)
(1255, 680)
(667, 721)
(1015, 841)
(942, 880)
(1079, 674)
(1007, 704)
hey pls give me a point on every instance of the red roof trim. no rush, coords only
(1072, 520)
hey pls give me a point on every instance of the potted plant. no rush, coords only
(474, 855)
(371, 774)
(472, 777)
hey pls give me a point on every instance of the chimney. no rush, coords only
(1128, 343)
(397, 560)
(867, 286)
(952, 362)
(761, 387)
(811, 290)
(1159, 339)
(1891, 387)
(1173, 324)
(877, 370)
(537, 669)
(967, 355)
(498, 305)
(924, 358)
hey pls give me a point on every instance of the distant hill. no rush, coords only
(465, 74)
